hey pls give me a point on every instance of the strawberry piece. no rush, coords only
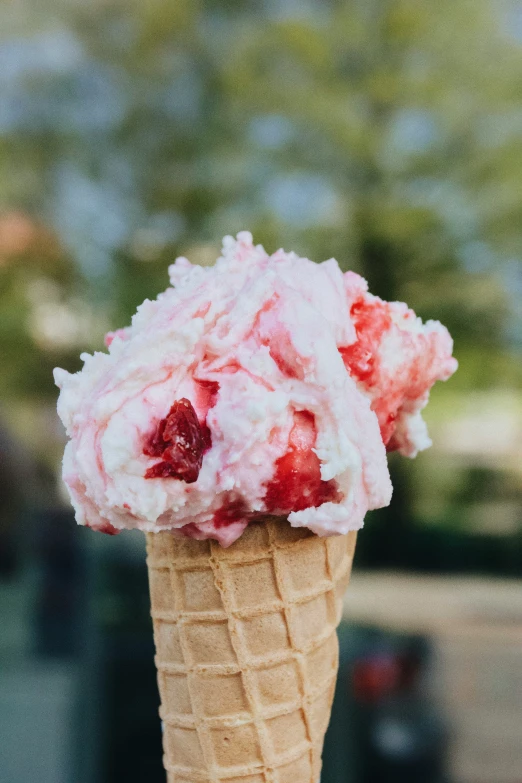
(180, 441)
(387, 428)
(371, 320)
(297, 482)
(156, 444)
(106, 528)
(230, 512)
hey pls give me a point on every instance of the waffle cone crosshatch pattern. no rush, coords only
(247, 651)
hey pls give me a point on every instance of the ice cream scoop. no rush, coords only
(263, 384)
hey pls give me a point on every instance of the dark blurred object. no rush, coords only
(437, 550)
(26, 483)
(132, 728)
(130, 739)
(14, 469)
(402, 736)
(397, 538)
(7, 554)
(384, 728)
(375, 677)
(60, 602)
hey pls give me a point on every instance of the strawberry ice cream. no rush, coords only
(264, 384)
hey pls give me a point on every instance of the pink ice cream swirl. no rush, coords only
(263, 384)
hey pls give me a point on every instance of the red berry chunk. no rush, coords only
(230, 512)
(180, 440)
(105, 527)
(371, 320)
(297, 482)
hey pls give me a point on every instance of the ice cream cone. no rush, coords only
(247, 651)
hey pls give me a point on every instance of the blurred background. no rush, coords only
(386, 133)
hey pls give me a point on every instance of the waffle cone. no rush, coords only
(247, 651)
